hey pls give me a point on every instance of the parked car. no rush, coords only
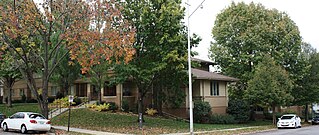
(289, 120)
(2, 117)
(26, 121)
(315, 120)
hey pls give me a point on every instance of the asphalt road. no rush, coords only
(310, 130)
(18, 133)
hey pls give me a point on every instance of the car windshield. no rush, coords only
(36, 116)
(287, 117)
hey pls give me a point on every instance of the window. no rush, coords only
(109, 90)
(81, 89)
(53, 90)
(214, 88)
(127, 86)
(21, 92)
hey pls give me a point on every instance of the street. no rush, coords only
(310, 130)
(18, 133)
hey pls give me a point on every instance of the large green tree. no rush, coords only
(270, 86)
(160, 41)
(307, 88)
(9, 74)
(244, 32)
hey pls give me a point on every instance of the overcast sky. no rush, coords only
(303, 12)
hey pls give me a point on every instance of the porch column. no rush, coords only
(119, 91)
(88, 93)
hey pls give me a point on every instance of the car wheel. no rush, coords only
(5, 127)
(23, 129)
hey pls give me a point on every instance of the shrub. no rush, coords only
(100, 107)
(222, 119)
(125, 106)
(59, 95)
(50, 99)
(239, 109)
(113, 106)
(63, 102)
(32, 101)
(134, 109)
(23, 98)
(76, 101)
(202, 111)
(150, 111)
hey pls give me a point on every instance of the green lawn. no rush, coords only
(127, 123)
(19, 107)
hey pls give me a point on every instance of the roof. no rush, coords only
(203, 61)
(201, 74)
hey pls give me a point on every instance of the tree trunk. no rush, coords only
(306, 113)
(99, 95)
(9, 99)
(140, 104)
(274, 120)
(44, 94)
(252, 113)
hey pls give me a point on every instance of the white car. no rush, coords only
(289, 120)
(26, 121)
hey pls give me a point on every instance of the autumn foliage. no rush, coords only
(36, 35)
(91, 30)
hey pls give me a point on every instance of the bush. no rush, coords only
(76, 101)
(59, 95)
(222, 119)
(32, 101)
(113, 106)
(100, 107)
(134, 109)
(202, 111)
(125, 106)
(23, 98)
(239, 109)
(51, 99)
(63, 102)
(150, 111)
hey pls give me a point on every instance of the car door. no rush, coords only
(299, 121)
(20, 120)
(11, 122)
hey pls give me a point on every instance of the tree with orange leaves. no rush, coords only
(34, 33)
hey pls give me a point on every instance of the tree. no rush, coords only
(8, 75)
(270, 86)
(35, 34)
(160, 38)
(98, 75)
(243, 33)
(307, 87)
(66, 73)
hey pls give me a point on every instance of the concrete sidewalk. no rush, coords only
(93, 132)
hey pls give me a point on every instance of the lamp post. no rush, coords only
(190, 94)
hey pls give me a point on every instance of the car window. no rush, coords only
(36, 116)
(14, 116)
(21, 115)
(287, 117)
(2, 116)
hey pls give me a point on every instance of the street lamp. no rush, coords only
(190, 94)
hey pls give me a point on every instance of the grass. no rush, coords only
(127, 123)
(19, 107)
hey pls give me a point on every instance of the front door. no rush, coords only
(94, 93)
